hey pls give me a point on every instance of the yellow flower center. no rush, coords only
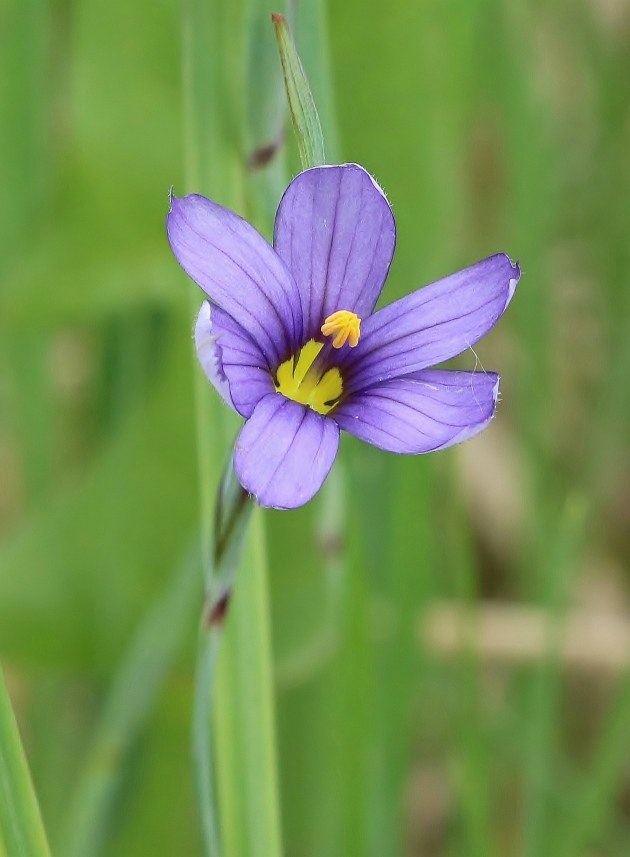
(299, 379)
(345, 326)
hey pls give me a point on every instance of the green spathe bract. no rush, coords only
(304, 116)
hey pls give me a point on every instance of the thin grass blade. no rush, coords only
(21, 827)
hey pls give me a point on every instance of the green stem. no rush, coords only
(202, 740)
(244, 714)
(232, 509)
(21, 828)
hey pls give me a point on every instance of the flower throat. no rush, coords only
(299, 379)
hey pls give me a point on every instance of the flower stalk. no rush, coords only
(233, 707)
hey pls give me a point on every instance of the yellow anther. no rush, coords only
(345, 326)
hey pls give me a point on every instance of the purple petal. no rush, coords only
(231, 359)
(432, 324)
(239, 271)
(284, 452)
(423, 412)
(336, 233)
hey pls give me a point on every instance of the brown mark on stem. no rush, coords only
(217, 610)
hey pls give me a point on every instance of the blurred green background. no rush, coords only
(451, 643)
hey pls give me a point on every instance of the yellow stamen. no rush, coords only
(298, 379)
(345, 326)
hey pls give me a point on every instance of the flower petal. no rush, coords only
(432, 324)
(231, 359)
(284, 452)
(239, 271)
(422, 412)
(336, 233)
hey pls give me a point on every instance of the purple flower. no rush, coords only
(290, 341)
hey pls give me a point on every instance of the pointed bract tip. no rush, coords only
(516, 271)
(495, 390)
(516, 266)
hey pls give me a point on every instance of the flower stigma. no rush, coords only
(345, 326)
(299, 379)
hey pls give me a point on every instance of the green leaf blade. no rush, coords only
(21, 827)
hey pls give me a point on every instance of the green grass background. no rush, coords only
(492, 125)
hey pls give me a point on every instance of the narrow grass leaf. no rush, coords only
(21, 827)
